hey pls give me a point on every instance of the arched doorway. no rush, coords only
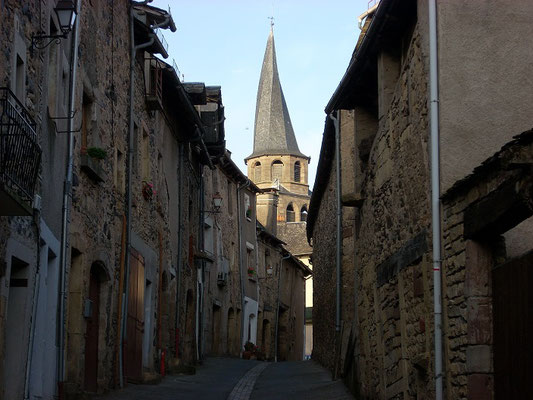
(215, 343)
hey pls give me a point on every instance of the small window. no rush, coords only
(247, 207)
(277, 169)
(145, 155)
(303, 214)
(290, 213)
(257, 172)
(86, 117)
(297, 169)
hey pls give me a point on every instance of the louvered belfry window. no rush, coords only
(257, 172)
(277, 169)
(297, 170)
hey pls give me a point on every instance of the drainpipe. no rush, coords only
(277, 307)
(67, 194)
(123, 322)
(241, 261)
(200, 275)
(435, 194)
(339, 221)
(180, 243)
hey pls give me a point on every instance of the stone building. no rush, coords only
(101, 176)
(278, 167)
(379, 335)
(282, 279)
(227, 236)
(33, 93)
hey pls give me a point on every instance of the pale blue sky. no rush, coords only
(222, 42)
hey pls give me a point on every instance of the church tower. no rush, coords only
(277, 165)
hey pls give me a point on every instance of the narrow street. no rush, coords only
(237, 379)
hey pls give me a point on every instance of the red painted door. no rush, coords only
(135, 324)
(513, 328)
(91, 335)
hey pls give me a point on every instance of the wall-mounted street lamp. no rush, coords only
(217, 203)
(66, 15)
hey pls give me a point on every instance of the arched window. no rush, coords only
(297, 170)
(303, 213)
(290, 213)
(257, 172)
(277, 169)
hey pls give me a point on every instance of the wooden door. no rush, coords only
(133, 358)
(513, 327)
(91, 335)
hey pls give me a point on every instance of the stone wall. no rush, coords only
(324, 278)
(481, 215)
(382, 350)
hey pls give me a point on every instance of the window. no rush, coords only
(145, 155)
(20, 80)
(257, 172)
(297, 171)
(87, 106)
(247, 207)
(290, 213)
(303, 214)
(277, 169)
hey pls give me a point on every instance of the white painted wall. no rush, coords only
(251, 308)
(44, 353)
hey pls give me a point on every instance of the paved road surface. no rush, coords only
(236, 379)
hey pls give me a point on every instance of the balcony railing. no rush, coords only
(20, 153)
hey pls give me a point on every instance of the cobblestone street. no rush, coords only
(236, 379)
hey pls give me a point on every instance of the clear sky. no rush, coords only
(222, 42)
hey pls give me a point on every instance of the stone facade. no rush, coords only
(383, 345)
(486, 233)
(135, 268)
(282, 276)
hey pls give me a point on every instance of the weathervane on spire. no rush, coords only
(271, 22)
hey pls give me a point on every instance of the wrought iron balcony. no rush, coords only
(20, 156)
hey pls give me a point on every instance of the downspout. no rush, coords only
(339, 222)
(277, 307)
(435, 194)
(200, 275)
(180, 243)
(241, 267)
(67, 194)
(133, 53)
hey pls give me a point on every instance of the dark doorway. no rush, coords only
(513, 326)
(92, 331)
(133, 352)
(217, 315)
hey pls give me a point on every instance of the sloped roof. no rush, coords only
(273, 133)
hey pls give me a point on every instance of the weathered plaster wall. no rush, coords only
(483, 62)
